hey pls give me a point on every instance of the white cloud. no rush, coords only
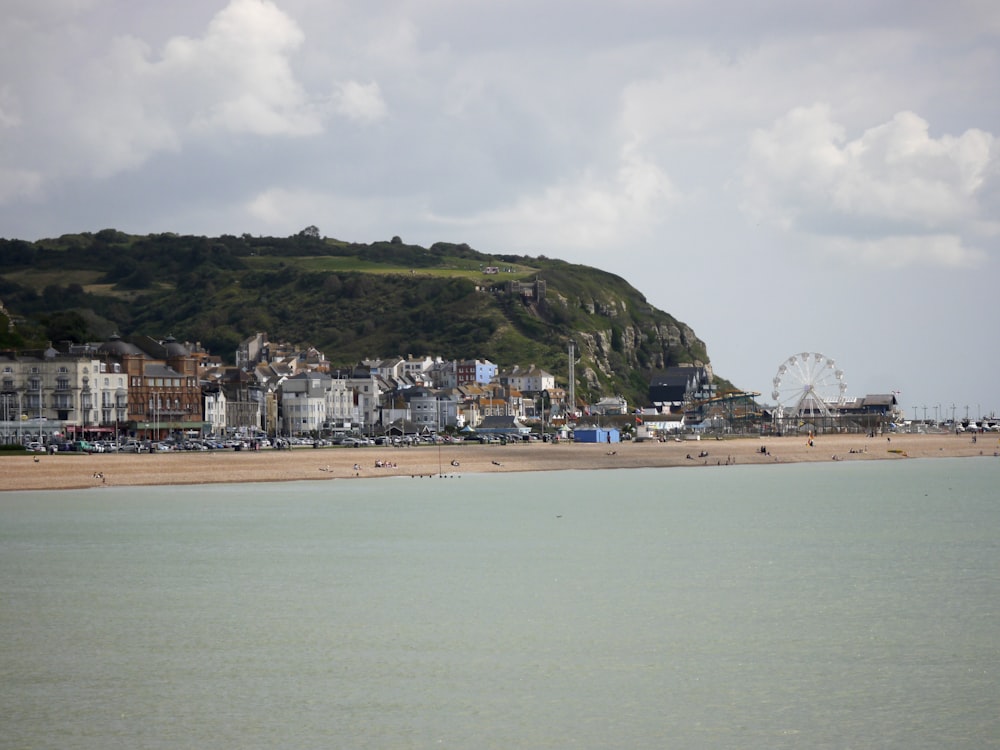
(240, 73)
(111, 112)
(589, 213)
(360, 101)
(898, 194)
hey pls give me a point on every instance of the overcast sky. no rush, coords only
(785, 176)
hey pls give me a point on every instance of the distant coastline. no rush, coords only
(77, 471)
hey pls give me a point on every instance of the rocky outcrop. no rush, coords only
(634, 346)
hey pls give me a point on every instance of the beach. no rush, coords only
(451, 461)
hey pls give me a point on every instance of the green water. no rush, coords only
(821, 606)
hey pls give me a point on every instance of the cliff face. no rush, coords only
(619, 333)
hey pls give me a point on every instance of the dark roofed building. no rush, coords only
(676, 385)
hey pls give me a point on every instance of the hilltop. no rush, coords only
(350, 300)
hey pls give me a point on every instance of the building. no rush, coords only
(678, 386)
(215, 409)
(164, 393)
(529, 381)
(610, 406)
(422, 409)
(480, 371)
(365, 387)
(596, 435)
(304, 403)
(252, 351)
(529, 290)
(53, 395)
(507, 427)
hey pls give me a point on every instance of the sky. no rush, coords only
(784, 176)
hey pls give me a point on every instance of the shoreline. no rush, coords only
(80, 471)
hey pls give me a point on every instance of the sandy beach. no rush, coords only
(74, 471)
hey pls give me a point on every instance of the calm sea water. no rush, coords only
(801, 606)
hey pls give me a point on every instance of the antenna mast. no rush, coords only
(572, 376)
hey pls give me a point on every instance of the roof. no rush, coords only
(880, 399)
(175, 349)
(117, 347)
(500, 423)
(679, 375)
(159, 370)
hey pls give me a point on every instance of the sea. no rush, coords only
(821, 605)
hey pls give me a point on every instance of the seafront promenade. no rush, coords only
(74, 471)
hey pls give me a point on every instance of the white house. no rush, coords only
(304, 402)
(215, 410)
(532, 380)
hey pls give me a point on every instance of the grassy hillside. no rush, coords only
(350, 300)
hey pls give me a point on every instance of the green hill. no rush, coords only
(351, 301)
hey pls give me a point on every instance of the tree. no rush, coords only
(311, 231)
(66, 326)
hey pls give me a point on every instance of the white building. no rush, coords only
(366, 387)
(64, 394)
(215, 411)
(532, 380)
(304, 403)
(340, 411)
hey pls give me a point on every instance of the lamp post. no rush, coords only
(39, 409)
(154, 407)
(85, 395)
(6, 417)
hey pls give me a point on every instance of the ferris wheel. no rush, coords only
(808, 385)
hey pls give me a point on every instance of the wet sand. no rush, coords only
(73, 470)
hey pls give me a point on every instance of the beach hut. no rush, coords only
(596, 435)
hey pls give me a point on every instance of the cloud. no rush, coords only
(896, 194)
(359, 101)
(589, 213)
(240, 73)
(97, 115)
